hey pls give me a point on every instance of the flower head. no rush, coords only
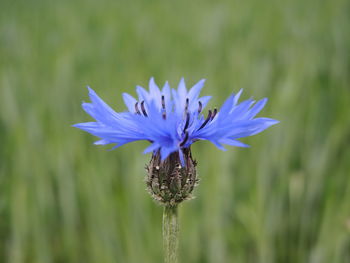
(171, 120)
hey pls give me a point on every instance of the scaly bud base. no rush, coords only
(168, 182)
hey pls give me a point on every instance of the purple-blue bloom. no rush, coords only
(171, 120)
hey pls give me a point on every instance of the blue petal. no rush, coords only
(181, 90)
(195, 90)
(121, 143)
(178, 103)
(182, 159)
(239, 112)
(233, 142)
(252, 127)
(142, 94)
(102, 142)
(265, 123)
(87, 126)
(153, 147)
(227, 106)
(98, 109)
(129, 102)
(155, 92)
(166, 90)
(218, 145)
(167, 97)
(100, 103)
(256, 108)
(166, 151)
(235, 100)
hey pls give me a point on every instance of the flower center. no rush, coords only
(211, 115)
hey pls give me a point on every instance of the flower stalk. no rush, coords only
(170, 234)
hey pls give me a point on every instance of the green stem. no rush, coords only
(170, 234)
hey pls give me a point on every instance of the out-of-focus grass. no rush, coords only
(286, 199)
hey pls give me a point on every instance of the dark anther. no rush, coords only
(214, 113)
(199, 106)
(143, 108)
(206, 120)
(137, 111)
(163, 108)
(187, 121)
(186, 105)
(163, 102)
(184, 140)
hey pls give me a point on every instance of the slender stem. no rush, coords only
(170, 234)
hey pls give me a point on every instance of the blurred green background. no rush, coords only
(285, 199)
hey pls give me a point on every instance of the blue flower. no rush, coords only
(171, 120)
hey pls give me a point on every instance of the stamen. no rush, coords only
(137, 111)
(163, 102)
(206, 120)
(199, 106)
(143, 108)
(184, 140)
(163, 108)
(186, 105)
(187, 122)
(214, 113)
